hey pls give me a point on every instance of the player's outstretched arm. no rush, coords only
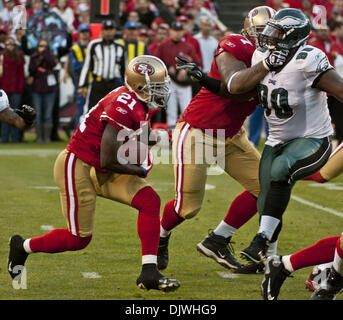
(330, 82)
(245, 80)
(227, 66)
(108, 154)
(10, 117)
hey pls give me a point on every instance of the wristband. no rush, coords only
(229, 82)
(210, 84)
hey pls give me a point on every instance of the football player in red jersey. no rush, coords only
(210, 111)
(89, 167)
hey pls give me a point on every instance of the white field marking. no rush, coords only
(44, 188)
(317, 206)
(47, 227)
(91, 275)
(215, 170)
(29, 152)
(227, 275)
(328, 186)
(165, 186)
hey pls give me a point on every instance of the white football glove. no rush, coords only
(149, 164)
(276, 59)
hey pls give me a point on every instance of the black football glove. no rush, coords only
(27, 113)
(276, 59)
(192, 68)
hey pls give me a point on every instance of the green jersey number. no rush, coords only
(278, 99)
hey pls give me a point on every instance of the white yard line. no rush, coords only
(317, 206)
(29, 152)
(91, 275)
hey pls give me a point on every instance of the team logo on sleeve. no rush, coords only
(230, 44)
(143, 68)
(323, 65)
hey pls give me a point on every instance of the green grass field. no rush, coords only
(30, 203)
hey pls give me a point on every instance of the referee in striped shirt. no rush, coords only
(105, 60)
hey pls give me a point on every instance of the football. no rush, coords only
(133, 152)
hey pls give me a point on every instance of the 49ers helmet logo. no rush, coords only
(143, 68)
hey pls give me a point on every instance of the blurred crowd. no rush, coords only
(42, 56)
(41, 59)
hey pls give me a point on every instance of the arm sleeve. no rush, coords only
(314, 63)
(117, 115)
(240, 47)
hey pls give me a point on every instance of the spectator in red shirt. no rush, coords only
(181, 89)
(161, 35)
(12, 82)
(188, 36)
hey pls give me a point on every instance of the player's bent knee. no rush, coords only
(280, 169)
(79, 242)
(146, 198)
(189, 214)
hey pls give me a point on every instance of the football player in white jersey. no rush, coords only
(300, 126)
(292, 79)
(21, 118)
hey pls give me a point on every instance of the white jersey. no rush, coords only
(294, 108)
(4, 104)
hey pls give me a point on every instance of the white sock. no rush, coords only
(164, 233)
(26, 246)
(272, 249)
(149, 258)
(224, 230)
(286, 260)
(268, 226)
(337, 263)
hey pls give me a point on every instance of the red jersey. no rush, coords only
(122, 109)
(209, 111)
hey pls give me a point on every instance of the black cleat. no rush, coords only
(150, 278)
(216, 247)
(274, 276)
(330, 288)
(256, 252)
(163, 254)
(250, 268)
(16, 257)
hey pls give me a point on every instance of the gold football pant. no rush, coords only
(192, 151)
(334, 166)
(79, 185)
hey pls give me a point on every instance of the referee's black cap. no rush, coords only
(109, 24)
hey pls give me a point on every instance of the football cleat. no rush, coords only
(216, 247)
(256, 252)
(317, 275)
(150, 278)
(274, 276)
(329, 289)
(17, 257)
(250, 268)
(162, 253)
